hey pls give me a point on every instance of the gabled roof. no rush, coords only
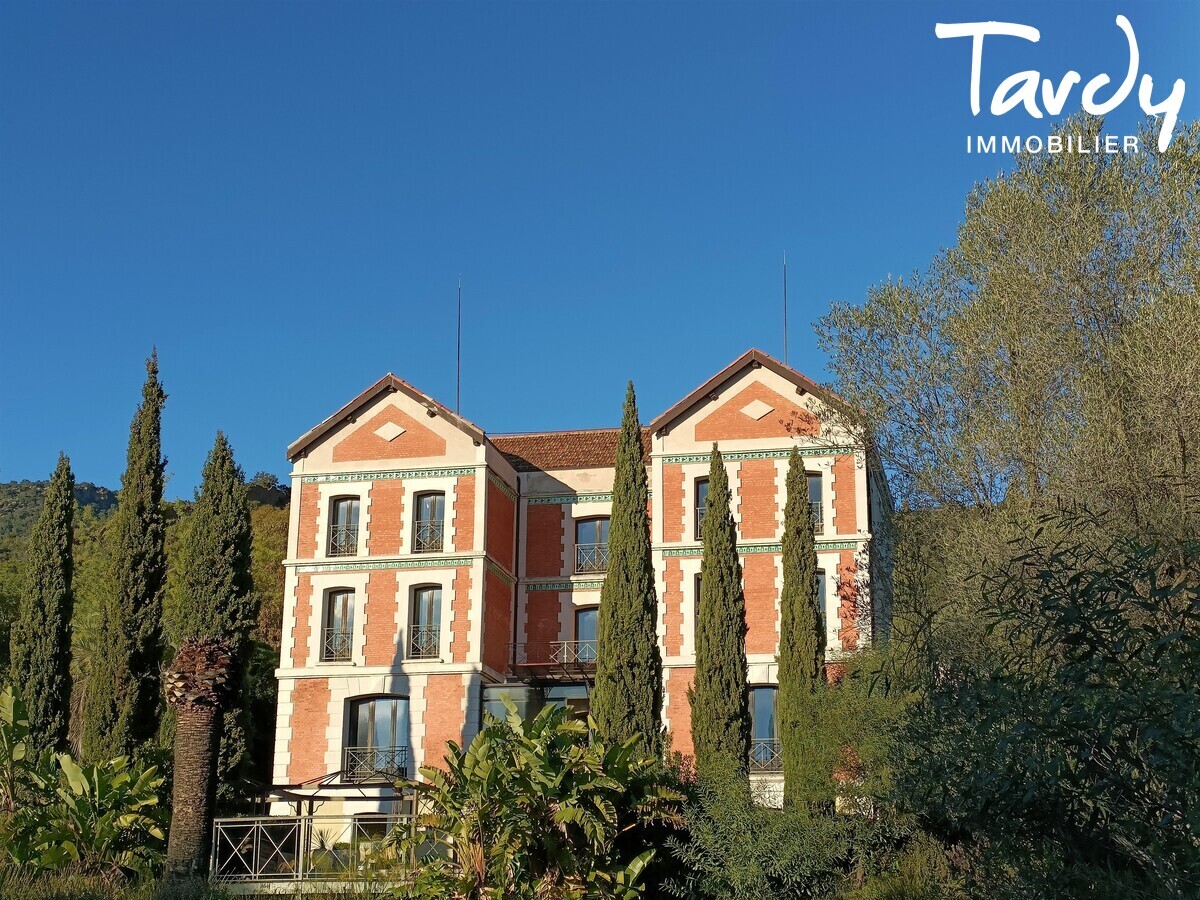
(388, 384)
(749, 359)
(541, 451)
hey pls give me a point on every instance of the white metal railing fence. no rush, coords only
(343, 540)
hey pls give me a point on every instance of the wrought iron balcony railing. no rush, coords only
(591, 558)
(301, 848)
(566, 655)
(766, 755)
(818, 517)
(343, 540)
(425, 642)
(336, 644)
(429, 537)
(363, 764)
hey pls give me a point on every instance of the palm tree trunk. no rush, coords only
(193, 794)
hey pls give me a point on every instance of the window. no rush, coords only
(343, 527)
(429, 527)
(701, 503)
(337, 636)
(378, 740)
(591, 545)
(765, 754)
(585, 633)
(814, 501)
(573, 696)
(425, 634)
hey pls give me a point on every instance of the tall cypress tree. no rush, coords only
(215, 596)
(627, 697)
(801, 635)
(41, 636)
(719, 695)
(121, 704)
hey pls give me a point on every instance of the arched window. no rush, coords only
(337, 634)
(377, 742)
(343, 527)
(425, 625)
(585, 633)
(429, 525)
(591, 545)
(765, 755)
(814, 501)
(701, 503)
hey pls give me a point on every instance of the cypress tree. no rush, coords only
(626, 700)
(801, 635)
(215, 596)
(719, 695)
(121, 704)
(41, 635)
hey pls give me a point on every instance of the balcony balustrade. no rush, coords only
(766, 755)
(591, 558)
(302, 848)
(818, 517)
(374, 764)
(336, 644)
(343, 540)
(425, 642)
(428, 537)
(568, 660)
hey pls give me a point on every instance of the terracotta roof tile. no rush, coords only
(542, 451)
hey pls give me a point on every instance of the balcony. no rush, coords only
(428, 537)
(425, 642)
(343, 540)
(566, 660)
(818, 517)
(363, 765)
(766, 756)
(591, 558)
(336, 644)
(302, 848)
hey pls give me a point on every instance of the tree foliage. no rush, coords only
(719, 694)
(41, 636)
(626, 700)
(535, 809)
(122, 702)
(801, 626)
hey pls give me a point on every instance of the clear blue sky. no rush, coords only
(280, 196)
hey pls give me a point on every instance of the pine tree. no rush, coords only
(41, 636)
(627, 698)
(719, 694)
(801, 635)
(121, 703)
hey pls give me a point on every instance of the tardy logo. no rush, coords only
(1021, 88)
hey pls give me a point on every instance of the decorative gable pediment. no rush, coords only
(756, 411)
(390, 433)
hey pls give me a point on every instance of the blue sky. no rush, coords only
(281, 197)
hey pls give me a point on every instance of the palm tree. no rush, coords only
(196, 685)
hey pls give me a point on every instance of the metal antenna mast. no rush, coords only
(785, 340)
(458, 364)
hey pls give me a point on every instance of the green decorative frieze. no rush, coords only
(761, 454)
(564, 586)
(568, 499)
(387, 475)
(745, 549)
(504, 576)
(502, 484)
(445, 562)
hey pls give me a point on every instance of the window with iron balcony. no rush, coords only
(343, 527)
(591, 545)
(338, 631)
(425, 628)
(429, 526)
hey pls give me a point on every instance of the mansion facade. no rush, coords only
(434, 570)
